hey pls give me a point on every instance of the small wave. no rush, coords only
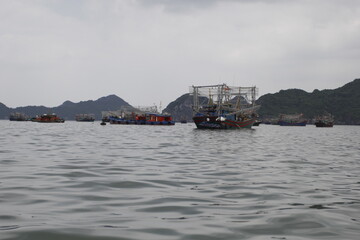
(10, 227)
(179, 209)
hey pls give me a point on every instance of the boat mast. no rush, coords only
(219, 88)
(238, 102)
(253, 95)
(196, 98)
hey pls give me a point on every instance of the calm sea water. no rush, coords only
(86, 181)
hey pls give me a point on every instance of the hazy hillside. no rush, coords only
(68, 109)
(181, 108)
(110, 103)
(343, 103)
(4, 111)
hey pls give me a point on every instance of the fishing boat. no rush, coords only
(326, 120)
(224, 107)
(141, 115)
(18, 117)
(143, 119)
(292, 120)
(85, 118)
(105, 115)
(48, 118)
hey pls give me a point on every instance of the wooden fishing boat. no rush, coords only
(226, 107)
(48, 118)
(326, 120)
(18, 117)
(85, 118)
(292, 120)
(143, 119)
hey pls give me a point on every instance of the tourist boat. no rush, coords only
(18, 117)
(224, 107)
(326, 120)
(292, 120)
(143, 119)
(85, 118)
(48, 118)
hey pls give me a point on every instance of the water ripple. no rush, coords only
(86, 181)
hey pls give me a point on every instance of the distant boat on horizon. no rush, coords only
(325, 120)
(142, 119)
(85, 117)
(48, 118)
(292, 120)
(16, 116)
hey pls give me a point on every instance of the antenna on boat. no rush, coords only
(210, 99)
(238, 102)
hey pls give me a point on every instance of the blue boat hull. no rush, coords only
(300, 124)
(211, 122)
(114, 120)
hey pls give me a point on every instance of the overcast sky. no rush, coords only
(147, 51)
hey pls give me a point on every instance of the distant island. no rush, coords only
(68, 110)
(343, 103)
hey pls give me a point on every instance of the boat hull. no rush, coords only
(324, 124)
(50, 121)
(299, 124)
(139, 122)
(17, 119)
(257, 123)
(211, 122)
(86, 120)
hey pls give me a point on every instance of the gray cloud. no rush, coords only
(147, 51)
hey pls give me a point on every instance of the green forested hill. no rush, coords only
(343, 103)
